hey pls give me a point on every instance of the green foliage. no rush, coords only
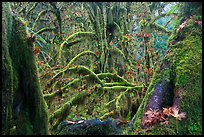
(107, 51)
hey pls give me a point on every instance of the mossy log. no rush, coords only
(24, 108)
(184, 59)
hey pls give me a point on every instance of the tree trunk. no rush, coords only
(177, 82)
(24, 109)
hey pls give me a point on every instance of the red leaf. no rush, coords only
(36, 50)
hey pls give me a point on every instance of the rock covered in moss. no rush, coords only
(90, 127)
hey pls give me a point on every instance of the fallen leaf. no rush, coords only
(175, 113)
(167, 111)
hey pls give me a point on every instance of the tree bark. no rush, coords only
(24, 108)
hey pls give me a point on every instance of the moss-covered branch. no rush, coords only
(119, 88)
(77, 34)
(116, 50)
(72, 37)
(81, 54)
(117, 84)
(45, 29)
(39, 16)
(91, 76)
(32, 8)
(115, 77)
(62, 112)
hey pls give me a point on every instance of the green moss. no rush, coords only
(7, 69)
(185, 58)
(81, 54)
(62, 112)
(74, 36)
(27, 106)
(167, 75)
(138, 116)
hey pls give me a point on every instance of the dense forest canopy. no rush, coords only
(102, 68)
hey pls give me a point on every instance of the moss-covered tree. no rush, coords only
(181, 70)
(24, 109)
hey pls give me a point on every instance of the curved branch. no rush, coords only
(115, 77)
(79, 70)
(32, 8)
(81, 54)
(64, 110)
(117, 50)
(45, 29)
(80, 33)
(38, 17)
(119, 88)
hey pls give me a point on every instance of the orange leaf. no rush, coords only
(36, 50)
(167, 111)
(128, 36)
(51, 74)
(111, 43)
(39, 63)
(139, 35)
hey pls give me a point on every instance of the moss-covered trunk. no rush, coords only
(184, 76)
(24, 108)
